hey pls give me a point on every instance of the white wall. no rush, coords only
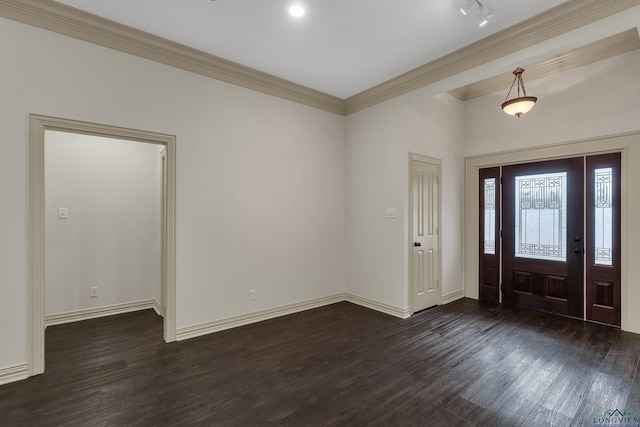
(111, 239)
(435, 128)
(261, 196)
(379, 140)
(377, 169)
(597, 99)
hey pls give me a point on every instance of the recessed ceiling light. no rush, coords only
(296, 10)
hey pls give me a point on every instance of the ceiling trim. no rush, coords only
(609, 47)
(563, 18)
(69, 21)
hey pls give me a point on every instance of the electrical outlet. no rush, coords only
(93, 291)
(252, 295)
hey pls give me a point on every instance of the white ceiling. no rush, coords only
(340, 47)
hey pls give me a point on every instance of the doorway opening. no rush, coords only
(40, 125)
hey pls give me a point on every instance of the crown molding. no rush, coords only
(609, 47)
(69, 21)
(566, 17)
(72, 22)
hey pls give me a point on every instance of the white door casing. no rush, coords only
(425, 232)
(163, 232)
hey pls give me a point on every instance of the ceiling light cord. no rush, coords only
(518, 78)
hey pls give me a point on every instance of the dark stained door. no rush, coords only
(542, 236)
(489, 227)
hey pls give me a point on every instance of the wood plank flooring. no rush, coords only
(463, 364)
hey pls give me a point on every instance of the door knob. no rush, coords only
(578, 250)
(417, 244)
(577, 238)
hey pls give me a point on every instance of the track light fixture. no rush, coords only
(466, 5)
(483, 15)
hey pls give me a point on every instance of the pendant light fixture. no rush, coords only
(520, 105)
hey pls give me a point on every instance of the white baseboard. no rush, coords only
(159, 309)
(453, 296)
(14, 373)
(402, 313)
(21, 372)
(93, 313)
(246, 319)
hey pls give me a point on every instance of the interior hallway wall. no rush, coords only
(111, 238)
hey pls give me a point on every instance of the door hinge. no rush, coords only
(500, 180)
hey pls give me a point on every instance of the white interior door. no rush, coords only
(425, 258)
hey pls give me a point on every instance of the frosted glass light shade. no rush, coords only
(519, 106)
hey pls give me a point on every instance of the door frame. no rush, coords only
(438, 163)
(163, 232)
(36, 222)
(628, 144)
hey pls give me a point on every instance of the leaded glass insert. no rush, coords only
(541, 216)
(489, 216)
(604, 216)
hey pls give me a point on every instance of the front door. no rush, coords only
(425, 260)
(543, 225)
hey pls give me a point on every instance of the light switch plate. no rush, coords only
(62, 213)
(391, 213)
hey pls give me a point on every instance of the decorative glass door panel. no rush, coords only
(542, 236)
(489, 198)
(489, 207)
(541, 216)
(603, 215)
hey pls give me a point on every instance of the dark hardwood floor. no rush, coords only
(466, 363)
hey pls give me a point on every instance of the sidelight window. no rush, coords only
(489, 216)
(603, 232)
(541, 216)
